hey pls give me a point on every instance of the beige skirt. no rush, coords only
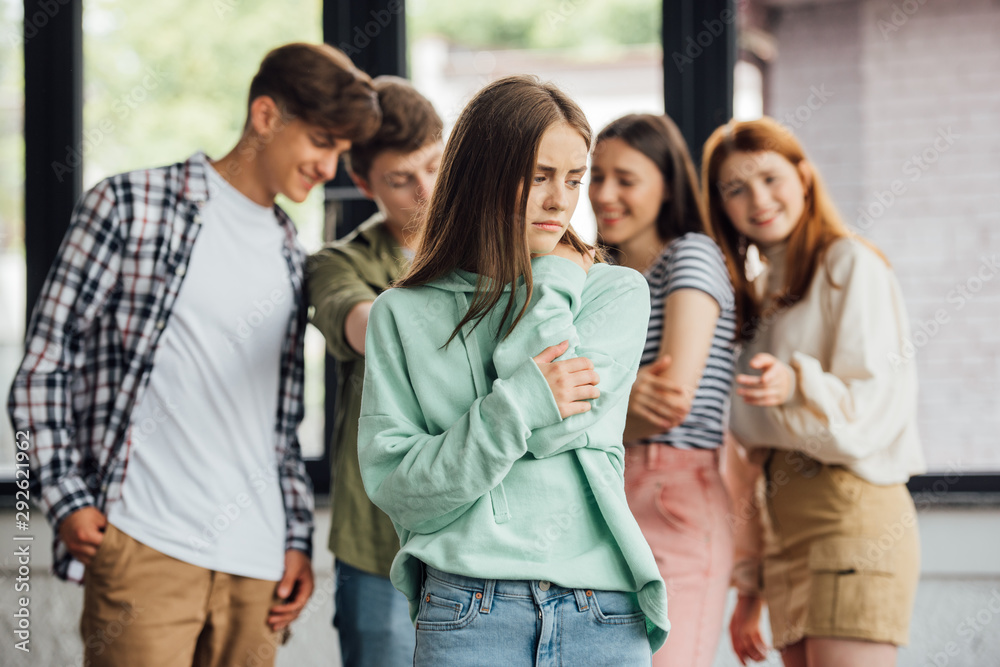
(842, 555)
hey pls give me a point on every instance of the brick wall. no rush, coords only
(908, 131)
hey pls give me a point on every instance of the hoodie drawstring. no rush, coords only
(501, 512)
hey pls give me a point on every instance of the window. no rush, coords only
(748, 93)
(12, 269)
(607, 57)
(149, 102)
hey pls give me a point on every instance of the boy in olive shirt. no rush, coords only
(396, 168)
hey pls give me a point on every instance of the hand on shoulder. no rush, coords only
(573, 382)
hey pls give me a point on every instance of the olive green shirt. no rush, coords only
(349, 271)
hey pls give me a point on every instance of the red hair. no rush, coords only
(819, 226)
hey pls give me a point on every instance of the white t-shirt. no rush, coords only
(202, 482)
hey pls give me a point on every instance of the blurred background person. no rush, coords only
(823, 407)
(199, 527)
(644, 193)
(396, 168)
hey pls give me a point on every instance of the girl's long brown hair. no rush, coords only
(818, 228)
(476, 216)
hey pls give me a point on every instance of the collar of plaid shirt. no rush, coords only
(94, 332)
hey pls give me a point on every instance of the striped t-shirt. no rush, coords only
(694, 261)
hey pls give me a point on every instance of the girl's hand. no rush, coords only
(584, 261)
(744, 630)
(572, 381)
(774, 386)
(656, 399)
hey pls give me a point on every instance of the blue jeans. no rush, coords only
(465, 621)
(372, 619)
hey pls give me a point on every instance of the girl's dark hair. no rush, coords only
(319, 85)
(476, 217)
(658, 138)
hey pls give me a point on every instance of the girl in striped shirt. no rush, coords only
(644, 194)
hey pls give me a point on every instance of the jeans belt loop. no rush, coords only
(652, 455)
(582, 604)
(487, 601)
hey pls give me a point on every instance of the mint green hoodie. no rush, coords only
(464, 448)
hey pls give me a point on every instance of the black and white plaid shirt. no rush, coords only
(95, 330)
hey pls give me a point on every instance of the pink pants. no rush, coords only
(681, 505)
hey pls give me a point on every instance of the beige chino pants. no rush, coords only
(142, 607)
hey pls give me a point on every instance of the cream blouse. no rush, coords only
(855, 398)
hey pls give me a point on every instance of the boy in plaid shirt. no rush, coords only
(163, 376)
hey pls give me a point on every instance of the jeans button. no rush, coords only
(544, 585)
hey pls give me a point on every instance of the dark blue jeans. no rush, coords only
(372, 619)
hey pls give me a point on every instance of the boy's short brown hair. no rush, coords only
(409, 122)
(319, 85)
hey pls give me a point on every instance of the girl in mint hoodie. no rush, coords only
(497, 381)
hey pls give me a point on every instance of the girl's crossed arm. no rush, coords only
(603, 315)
